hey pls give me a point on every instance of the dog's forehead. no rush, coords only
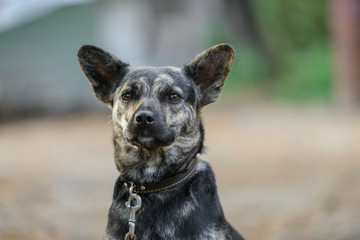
(152, 76)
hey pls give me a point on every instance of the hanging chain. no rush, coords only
(133, 205)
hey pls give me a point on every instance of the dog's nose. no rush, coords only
(144, 118)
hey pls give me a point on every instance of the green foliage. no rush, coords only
(297, 33)
(306, 76)
(247, 70)
(292, 24)
(296, 36)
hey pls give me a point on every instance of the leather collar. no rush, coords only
(167, 183)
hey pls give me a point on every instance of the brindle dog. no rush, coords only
(158, 132)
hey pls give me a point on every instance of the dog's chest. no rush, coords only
(180, 213)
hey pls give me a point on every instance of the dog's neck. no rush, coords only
(142, 166)
(164, 184)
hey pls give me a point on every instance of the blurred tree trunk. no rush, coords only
(242, 18)
(345, 21)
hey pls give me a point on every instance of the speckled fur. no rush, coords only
(162, 148)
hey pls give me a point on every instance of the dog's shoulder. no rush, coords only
(203, 185)
(204, 173)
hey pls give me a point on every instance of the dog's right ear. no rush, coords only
(103, 70)
(209, 70)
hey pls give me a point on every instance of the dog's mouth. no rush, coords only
(151, 142)
(149, 130)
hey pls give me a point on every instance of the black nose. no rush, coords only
(144, 118)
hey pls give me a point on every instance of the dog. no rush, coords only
(158, 132)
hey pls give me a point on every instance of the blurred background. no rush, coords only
(283, 139)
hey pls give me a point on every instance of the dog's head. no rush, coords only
(157, 108)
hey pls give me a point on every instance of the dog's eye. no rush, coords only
(174, 98)
(127, 97)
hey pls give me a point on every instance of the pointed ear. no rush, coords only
(209, 71)
(103, 70)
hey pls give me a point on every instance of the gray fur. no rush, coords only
(157, 132)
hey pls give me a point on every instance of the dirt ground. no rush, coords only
(283, 173)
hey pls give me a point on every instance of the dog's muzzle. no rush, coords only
(147, 130)
(144, 119)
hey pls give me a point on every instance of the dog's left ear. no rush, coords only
(209, 71)
(103, 70)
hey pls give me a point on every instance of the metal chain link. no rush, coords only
(133, 205)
